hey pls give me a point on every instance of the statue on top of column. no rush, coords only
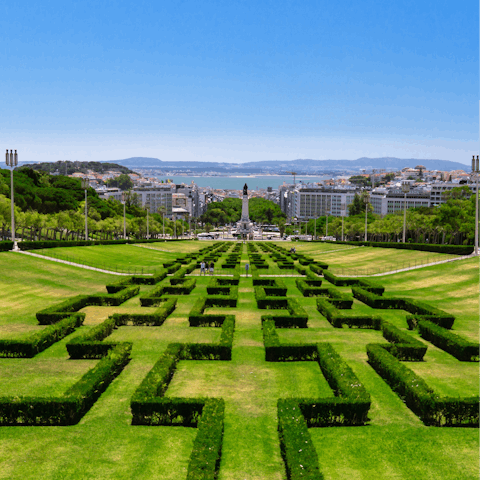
(245, 188)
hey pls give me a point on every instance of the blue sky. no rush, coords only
(239, 81)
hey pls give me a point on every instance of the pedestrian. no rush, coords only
(211, 268)
(247, 266)
(202, 268)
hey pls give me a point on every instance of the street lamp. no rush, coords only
(85, 185)
(12, 161)
(343, 209)
(405, 190)
(124, 220)
(326, 214)
(366, 200)
(163, 226)
(475, 172)
(147, 208)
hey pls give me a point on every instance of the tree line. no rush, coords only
(53, 206)
(452, 222)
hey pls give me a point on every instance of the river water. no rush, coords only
(254, 182)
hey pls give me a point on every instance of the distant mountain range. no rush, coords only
(307, 166)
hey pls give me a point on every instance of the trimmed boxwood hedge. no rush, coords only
(136, 280)
(309, 288)
(364, 283)
(296, 446)
(418, 396)
(64, 309)
(69, 408)
(350, 406)
(196, 316)
(154, 297)
(425, 247)
(91, 345)
(205, 458)
(150, 407)
(39, 341)
(462, 349)
(337, 318)
(403, 346)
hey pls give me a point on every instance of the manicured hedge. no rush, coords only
(154, 297)
(309, 288)
(462, 349)
(69, 408)
(337, 318)
(364, 283)
(33, 245)
(424, 311)
(55, 313)
(150, 407)
(205, 458)
(376, 301)
(418, 396)
(425, 247)
(6, 245)
(198, 318)
(403, 346)
(296, 446)
(90, 345)
(350, 406)
(39, 341)
(136, 280)
(61, 310)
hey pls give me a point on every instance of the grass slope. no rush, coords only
(395, 444)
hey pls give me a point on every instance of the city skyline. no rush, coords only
(240, 82)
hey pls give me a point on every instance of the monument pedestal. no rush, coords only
(245, 226)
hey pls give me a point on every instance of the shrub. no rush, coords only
(418, 396)
(309, 288)
(154, 297)
(55, 313)
(69, 408)
(204, 461)
(461, 349)
(296, 446)
(39, 341)
(404, 346)
(90, 344)
(338, 319)
(426, 247)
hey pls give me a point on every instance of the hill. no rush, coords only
(67, 167)
(299, 165)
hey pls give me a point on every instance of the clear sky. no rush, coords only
(240, 81)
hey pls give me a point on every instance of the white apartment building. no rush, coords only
(158, 198)
(313, 202)
(386, 201)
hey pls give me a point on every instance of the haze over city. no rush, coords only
(240, 81)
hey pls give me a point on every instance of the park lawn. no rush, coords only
(452, 287)
(394, 445)
(367, 260)
(179, 247)
(112, 257)
(31, 284)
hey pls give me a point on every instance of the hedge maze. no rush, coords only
(287, 310)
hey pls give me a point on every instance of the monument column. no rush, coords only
(244, 226)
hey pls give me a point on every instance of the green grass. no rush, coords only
(394, 445)
(113, 257)
(348, 260)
